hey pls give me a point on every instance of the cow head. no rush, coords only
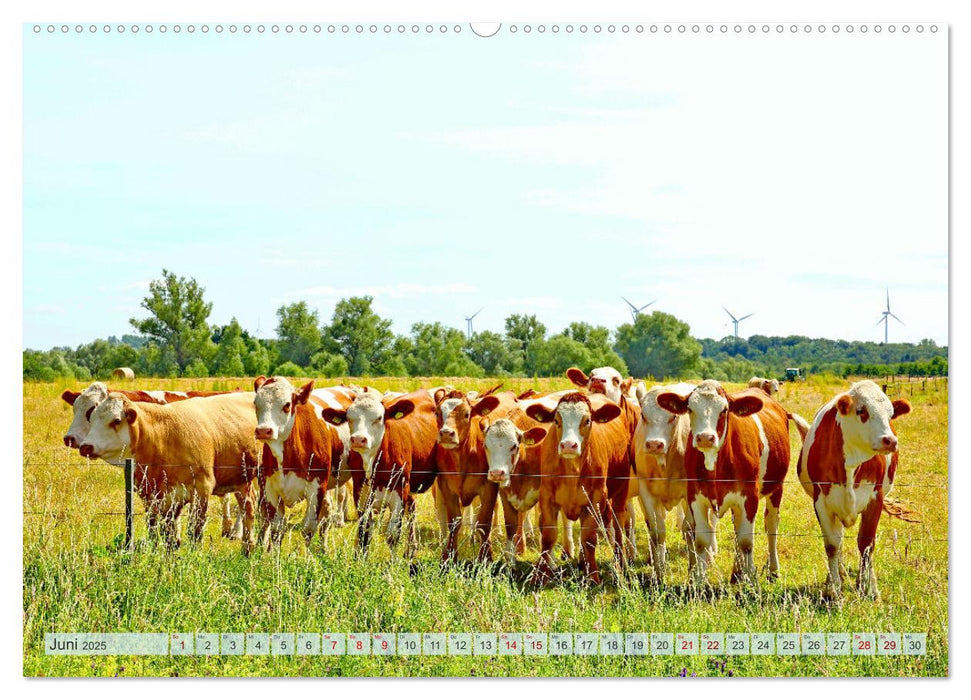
(276, 407)
(864, 414)
(504, 444)
(83, 404)
(708, 407)
(769, 386)
(109, 437)
(660, 424)
(455, 412)
(602, 380)
(572, 421)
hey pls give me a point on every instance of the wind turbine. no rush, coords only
(736, 321)
(468, 320)
(885, 318)
(634, 310)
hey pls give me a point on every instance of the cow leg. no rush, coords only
(483, 527)
(524, 529)
(866, 579)
(451, 508)
(227, 521)
(744, 517)
(197, 520)
(548, 513)
(397, 507)
(686, 522)
(630, 541)
(513, 521)
(569, 547)
(654, 519)
(704, 534)
(237, 531)
(832, 529)
(267, 514)
(247, 518)
(772, 518)
(588, 544)
(310, 519)
(411, 518)
(441, 512)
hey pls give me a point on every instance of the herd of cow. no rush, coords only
(582, 455)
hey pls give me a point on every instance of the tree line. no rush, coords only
(175, 338)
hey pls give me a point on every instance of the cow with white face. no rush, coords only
(769, 386)
(83, 404)
(737, 454)
(660, 442)
(602, 380)
(847, 465)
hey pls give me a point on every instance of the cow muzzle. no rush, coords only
(359, 442)
(448, 438)
(655, 447)
(69, 441)
(886, 445)
(499, 476)
(86, 450)
(705, 441)
(264, 433)
(569, 449)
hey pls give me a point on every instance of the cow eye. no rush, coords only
(860, 411)
(286, 407)
(376, 421)
(115, 423)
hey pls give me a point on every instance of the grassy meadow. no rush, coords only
(75, 580)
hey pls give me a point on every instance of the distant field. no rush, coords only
(75, 581)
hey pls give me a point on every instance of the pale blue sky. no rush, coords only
(796, 177)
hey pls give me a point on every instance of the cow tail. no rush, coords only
(801, 424)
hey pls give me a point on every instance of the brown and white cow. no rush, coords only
(184, 453)
(660, 443)
(847, 465)
(300, 459)
(586, 477)
(394, 441)
(623, 392)
(738, 453)
(769, 386)
(83, 404)
(462, 463)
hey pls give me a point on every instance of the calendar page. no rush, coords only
(436, 348)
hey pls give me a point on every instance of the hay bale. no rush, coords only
(126, 373)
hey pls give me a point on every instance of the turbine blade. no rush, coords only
(746, 316)
(629, 303)
(646, 305)
(899, 320)
(730, 314)
(477, 313)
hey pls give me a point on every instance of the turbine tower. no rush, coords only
(634, 310)
(468, 320)
(736, 321)
(885, 318)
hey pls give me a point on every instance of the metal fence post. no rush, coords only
(129, 502)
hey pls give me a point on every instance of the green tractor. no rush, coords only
(793, 374)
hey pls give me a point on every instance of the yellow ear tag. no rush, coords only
(336, 421)
(530, 441)
(399, 414)
(486, 412)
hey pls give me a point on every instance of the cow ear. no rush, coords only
(538, 413)
(745, 405)
(606, 413)
(845, 404)
(673, 403)
(534, 436)
(485, 406)
(303, 394)
(333, 415)
(439, 396)
(577, 376)
(258, 382)
(399, 409)
(626, 385)
(70, 396)
(130, 415)
(484, 425)
(640, 392)
(901, 407)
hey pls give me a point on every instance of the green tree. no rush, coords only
(257, 360)
(230, 351)
(596, 339)
(658, 345)
(555, 356)
(497, 355)
(178, 318)
(526, 332)
(299, 332)
(327, 364)
(438, 351)
(362, 337)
